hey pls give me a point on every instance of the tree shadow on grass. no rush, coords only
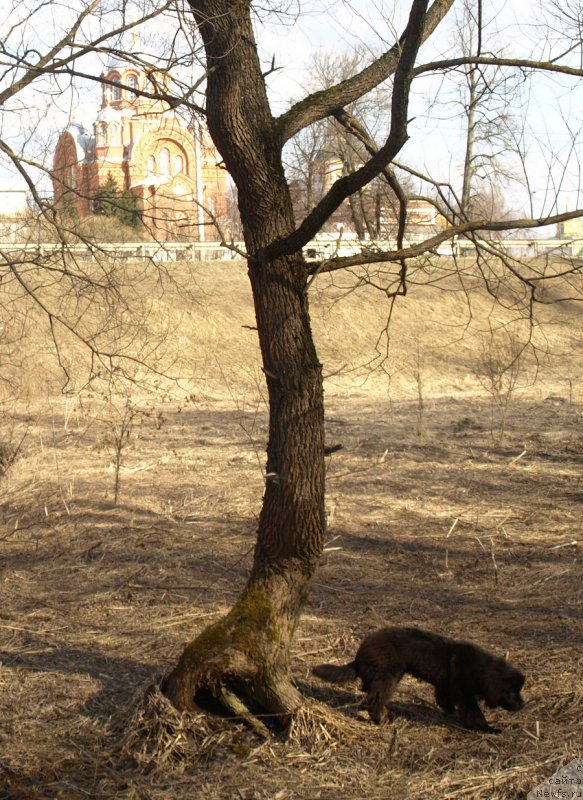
(120, 677)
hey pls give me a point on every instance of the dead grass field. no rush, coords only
(433, 521)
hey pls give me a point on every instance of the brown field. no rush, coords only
(437, 518)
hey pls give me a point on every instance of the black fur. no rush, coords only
(461, 673)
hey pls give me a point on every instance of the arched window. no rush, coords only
(178, 165)
(132, 83)
(164, 161)
(116, 90)
(151, 165)
(114, 136)
(102, 134)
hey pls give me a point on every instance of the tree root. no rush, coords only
(237, 707)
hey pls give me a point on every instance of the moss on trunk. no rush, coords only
(243, 655)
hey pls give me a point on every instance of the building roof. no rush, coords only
(109, 114)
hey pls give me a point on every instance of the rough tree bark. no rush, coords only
(245, 656)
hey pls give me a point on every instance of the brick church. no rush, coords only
(171, 168)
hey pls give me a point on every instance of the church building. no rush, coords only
(171, 168)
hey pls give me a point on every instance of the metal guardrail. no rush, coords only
(321, 247)
(140, 251)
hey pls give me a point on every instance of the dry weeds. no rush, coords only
(448, 531)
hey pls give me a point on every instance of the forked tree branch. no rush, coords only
(347, 185)
(321, 104)
(352, 125)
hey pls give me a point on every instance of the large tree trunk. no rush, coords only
(246, 654)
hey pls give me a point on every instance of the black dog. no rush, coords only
(462, 673)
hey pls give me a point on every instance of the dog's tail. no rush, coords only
(336, 673)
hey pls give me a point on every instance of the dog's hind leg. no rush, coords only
(380, 692)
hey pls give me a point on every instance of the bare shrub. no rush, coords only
(122, 415)
(501, 368)
(11, 443)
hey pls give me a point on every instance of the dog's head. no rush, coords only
(505, 683)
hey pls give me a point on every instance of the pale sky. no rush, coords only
(553, 112)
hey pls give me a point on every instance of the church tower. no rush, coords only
(170, 167)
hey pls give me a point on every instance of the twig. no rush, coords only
(550, 577)
(316, 652)
(450, 531)
(564, 544)
(493, 557)
(517, 458)
(12, 532)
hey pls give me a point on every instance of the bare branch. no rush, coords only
(352, 125)
(50, 63)
(520, 63)
(322, 103)
(173, 100)
(464, 229)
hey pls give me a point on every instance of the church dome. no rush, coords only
(84, 141)
(109, 114)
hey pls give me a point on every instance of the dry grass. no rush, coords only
(449, 531)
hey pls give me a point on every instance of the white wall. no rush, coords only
(13, 202)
